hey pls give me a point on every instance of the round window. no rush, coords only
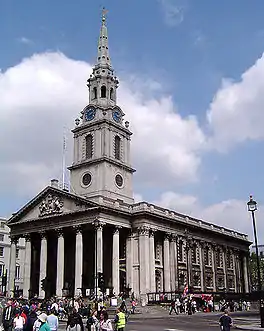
(87, 178)
(119, 180)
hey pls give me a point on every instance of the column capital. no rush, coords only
(27, 237)
(43, 235)
(174, 237)
(152, 233)
(116, 229)
(59, 232)
(98, 224)
(167, 236)
(143, 230)
(77, 229)
(14, 239)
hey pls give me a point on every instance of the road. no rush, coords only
(175, 323)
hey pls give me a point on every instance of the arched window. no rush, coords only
(94, 93)
(117, 147)
(89, 146)
(103, 91)
(111, 93)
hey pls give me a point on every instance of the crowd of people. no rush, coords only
(21, 315)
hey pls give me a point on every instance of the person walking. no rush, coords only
(173, 308)
(225, 321)
(19, 322)
(53, 320)
(120, 320)
(75, 319)
(105, 322)
(44, 325)
(8, 316)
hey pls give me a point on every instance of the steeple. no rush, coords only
(102, 83)
(102, 165)
(103, 57)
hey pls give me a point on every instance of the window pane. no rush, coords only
(2, 237)
(89, 146)
(1, 251)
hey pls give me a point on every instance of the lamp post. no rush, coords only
(252, 207)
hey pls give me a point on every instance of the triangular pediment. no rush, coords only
(50, 202)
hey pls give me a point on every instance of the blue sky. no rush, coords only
(188, 47)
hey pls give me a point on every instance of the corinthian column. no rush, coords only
(27, 267)
(12, 266)
(166, 263)
(78, 261)
(43, 263)
(115, 262)
(152, 262)
(129, 260)
(60, 264)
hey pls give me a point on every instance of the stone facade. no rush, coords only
(16, 269)
(70, 237)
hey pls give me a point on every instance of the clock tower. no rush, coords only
(101, 162)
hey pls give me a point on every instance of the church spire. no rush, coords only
(103, 57)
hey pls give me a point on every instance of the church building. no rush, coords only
(96, 228)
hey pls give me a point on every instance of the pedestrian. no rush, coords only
(44, 325)
(120, 320)
(75, 319)
(225, 321)
(19, 322)
(173, 308)
(93, 323)
(133, 304)
(53, 320)
(105, 322)
(8, 316)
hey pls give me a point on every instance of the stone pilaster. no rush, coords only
(78, 261)
(27, 267)
(130, 260)
(202, 266)
(214, 269)
(175, 255)
(115, 262)
(43, 263)
(143, 263)
(152, 286)
(245, 274)
(224, 267)
(60, 264)
(234, 258)
(172, 263)
(166, 263)
(12, 266)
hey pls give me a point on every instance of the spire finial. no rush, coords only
(104, 12)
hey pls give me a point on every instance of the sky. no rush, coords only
(191, 84)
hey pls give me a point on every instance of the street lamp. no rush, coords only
(252, 207)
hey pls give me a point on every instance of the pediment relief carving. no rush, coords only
(52, 204)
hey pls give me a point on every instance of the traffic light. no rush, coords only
(44, 284)
(101, 283)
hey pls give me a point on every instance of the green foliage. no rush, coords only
(253, 270)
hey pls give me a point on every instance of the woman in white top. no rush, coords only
(19, 322)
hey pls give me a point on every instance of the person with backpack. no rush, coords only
(93, 323)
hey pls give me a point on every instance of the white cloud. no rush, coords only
(25, 40)
(236, 112)
(47, 91)
(173, 12)
(230, 213)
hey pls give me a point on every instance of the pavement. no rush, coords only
(156, 318)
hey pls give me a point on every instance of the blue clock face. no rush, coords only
(89, 114)
(117, 115)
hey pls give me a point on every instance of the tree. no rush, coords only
(253, 270)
